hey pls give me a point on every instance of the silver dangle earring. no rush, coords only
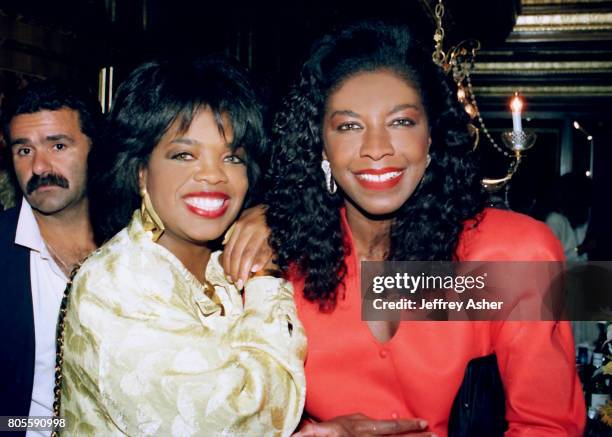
(428, 160)
(330, 183)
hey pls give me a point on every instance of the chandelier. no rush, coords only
(459, 61)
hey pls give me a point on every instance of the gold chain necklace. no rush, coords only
(64, 267)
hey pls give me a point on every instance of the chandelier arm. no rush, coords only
(438, 56)
(496, 184)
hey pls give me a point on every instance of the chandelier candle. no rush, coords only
(516, 106)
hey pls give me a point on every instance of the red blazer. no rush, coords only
(418, 372)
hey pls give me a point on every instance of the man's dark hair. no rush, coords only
(53, 95)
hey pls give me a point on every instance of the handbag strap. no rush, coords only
(59, 352)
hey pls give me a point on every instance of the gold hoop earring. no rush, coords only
(150, 220)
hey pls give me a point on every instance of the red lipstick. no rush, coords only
(207, 204)
(379, 178)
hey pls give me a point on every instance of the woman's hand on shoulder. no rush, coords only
(358, 425)
(246, 248)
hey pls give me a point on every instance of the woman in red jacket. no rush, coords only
(373, 161)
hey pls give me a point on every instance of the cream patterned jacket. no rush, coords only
(147, 353)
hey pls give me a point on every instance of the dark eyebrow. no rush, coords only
(60, 137)
(49, 138)
(347, 112)
(19, 142)
(186, 141)
(402, 107)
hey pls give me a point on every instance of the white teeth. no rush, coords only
(205, 203)
(379, 178)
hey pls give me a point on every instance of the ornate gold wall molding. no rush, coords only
(543, 68)
(559, 2)
(587, 22)
(545, 91)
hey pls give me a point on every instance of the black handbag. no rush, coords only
(479, 410)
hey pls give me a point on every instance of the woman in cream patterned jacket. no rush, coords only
(155, 340)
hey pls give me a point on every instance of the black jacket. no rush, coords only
(16, 321)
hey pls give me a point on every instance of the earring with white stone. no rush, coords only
(330, 183)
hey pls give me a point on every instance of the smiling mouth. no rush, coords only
(382, 179)
(209, 205)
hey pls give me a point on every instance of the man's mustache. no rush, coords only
(48, 179)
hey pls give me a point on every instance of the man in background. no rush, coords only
(49, 130)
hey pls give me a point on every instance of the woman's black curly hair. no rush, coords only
(152, 98)
(304, 218)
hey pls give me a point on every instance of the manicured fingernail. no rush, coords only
(422, 423)
(229, 278)
(255, 268)
(239, 284)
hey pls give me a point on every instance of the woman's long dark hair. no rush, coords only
(152, 98)
(305, 219)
